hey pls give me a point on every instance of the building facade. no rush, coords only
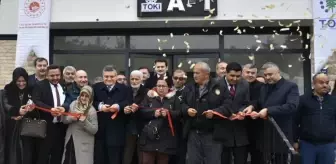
(132, 33)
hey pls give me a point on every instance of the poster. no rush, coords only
(324, 12)
(33, 31)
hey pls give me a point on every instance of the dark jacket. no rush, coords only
(216, 97)
(165, 143)
(234, 133)
(281, 100)
(2, 128)
(112, 130)
(71, 94)
(152, 80)
(316, 120)
(32, 80)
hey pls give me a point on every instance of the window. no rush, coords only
(89, 42)
(175, 42)
(93, 64)
(250, 41)
(290, 64)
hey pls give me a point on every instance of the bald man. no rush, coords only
(279, 99)
(72, 92)
(316, 123)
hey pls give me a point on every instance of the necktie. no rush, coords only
(57, 100)
(161, 77)
(232, 91)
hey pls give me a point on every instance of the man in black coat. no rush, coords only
(279, 98)
(2, 128)
(253, 126)
(233, 132)
(205, 98)
(161, 68)
(110, 98)
(41, 65)
(49, 94)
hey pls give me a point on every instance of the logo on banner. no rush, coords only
(151, 6)
(328, 7)
(34, 8)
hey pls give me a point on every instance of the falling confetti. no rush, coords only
(291, 34)
(280, 24)
(271, 47)
(271, 6)
(158, 40)
(261, 27)
(306, 46)
(171, 35)
(187, 51)
(257, 49)
(289, 25)
(298, 28)
(300, 33)
(250, 21)
(308, 35)
(258, 41)
(275, 32)
(239, 31)
(160, 49)
(284, 29)
(244, 31)
(273, 36)
(270, 20)
(256, 36)
(234, 20)
(164, 41)
(309, 56)
(221, 32)
(212, 11)
(283, 46)
(192, 66)
(173, 47)
(298, 21)
(164, 55)
(185, 34)
(166, 21)
(237, 28)
(289, 65)
(212, 22)
(207, 17)
(292, 40)
(251, 57)
(205, 30)
(180, 65)
(252, 27)
(189, 62)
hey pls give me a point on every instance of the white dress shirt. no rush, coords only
(61, 96)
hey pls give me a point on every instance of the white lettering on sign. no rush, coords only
(176, 4)
(151, 6)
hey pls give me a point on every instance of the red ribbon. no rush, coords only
(77, 115)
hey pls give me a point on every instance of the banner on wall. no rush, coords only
(33, 31)
(324, 12)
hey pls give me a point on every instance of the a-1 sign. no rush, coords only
(176, 8)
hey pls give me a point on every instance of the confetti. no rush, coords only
(292, 40)
(160, 49)
(252, 27)
(173, 47)
(306, 46)
(207, 17)
(289, 25)
(192, 66)
(248, 47)
(289, 65)
(185, 34)
(244, 31)
(258, 41)
(164, 41)
(250, 21)
(186, 43)
(271, 47)
(271, 6)
(300, 33)
(309, 56)
(187, 51)
(212, 11)
(221, 32)
(166, 21)
(189, 62)
(261, 27)
(298, 21)
(212, 22)
(283, 46)
(298, 28)
(257, 49)
(239, 31)
(291, 34)
(237, 28)
(270, 20)
(180, 65)
(158, 40)
(171, 35)
(164, 55)
(256, 36)
(234, 20)
(251, 57)
(284, 29)
(308, 35)
(273, 36)
(280, 24)
(205, 30)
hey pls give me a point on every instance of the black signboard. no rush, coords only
(176, 8)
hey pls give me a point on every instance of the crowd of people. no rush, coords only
(56, 116)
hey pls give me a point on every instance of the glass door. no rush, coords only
(142, 60)
(186, 63)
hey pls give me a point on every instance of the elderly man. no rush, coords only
(69, 75)
(134, 126)
(72, 92)
(204, 101)
(279, 98)
(316, 123)
(221, 70)
(110, 98)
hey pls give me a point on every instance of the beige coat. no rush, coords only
(83, 134)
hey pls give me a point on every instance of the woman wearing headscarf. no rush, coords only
(18, 149)
(79, 139)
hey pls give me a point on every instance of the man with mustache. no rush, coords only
(41, 65)
(316, 123)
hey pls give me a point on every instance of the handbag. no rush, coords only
(32, 127)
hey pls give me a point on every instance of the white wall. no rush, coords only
(126, 10)
(8, 16)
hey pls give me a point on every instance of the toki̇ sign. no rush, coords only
(176, 8)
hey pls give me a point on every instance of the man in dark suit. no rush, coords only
(2, 128)
(279, 98)
(49, 94)
(250, 75)
(161, 68)
(205, 98)
(41, 65)
(233, 133)
(110, 98)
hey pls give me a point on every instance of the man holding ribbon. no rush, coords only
(110, 99)
(205, 101)
(49, 94)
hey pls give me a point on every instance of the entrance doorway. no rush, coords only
(179, 61)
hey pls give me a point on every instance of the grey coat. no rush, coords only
(83, 135)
